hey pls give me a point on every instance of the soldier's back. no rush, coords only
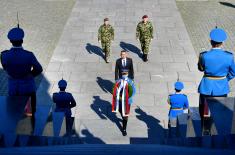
(17, 62)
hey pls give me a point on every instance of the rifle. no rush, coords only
(18, 22)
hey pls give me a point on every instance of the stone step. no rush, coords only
(113, 149)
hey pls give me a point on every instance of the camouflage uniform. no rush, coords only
(144, 32)
(105, 35)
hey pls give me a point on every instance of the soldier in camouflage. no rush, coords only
(144, 33)
(106, 36)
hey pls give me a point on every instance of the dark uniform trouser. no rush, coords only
(33, 101)
(145, 44)
(124, 118)
(205, 122)
(69, 124)
(106, 48)
(33, 106)
(69, 119)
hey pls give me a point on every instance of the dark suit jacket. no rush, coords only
(119, 67)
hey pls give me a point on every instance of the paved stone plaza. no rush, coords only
(201, 16)
(77, 58)
(43, 22)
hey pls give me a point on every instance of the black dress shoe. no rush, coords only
(206, 133)
(145, 58)
(124, 133)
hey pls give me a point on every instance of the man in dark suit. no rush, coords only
(124, 63)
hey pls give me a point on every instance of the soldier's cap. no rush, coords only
(145, 16)
(179, 85)
(218, 35)
(62, 84)
(106, 19)
(16, 34)
(124, 71)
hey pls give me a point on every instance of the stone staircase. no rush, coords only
(187, 134)
(79, 60)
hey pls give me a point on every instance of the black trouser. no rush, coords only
(69, 125)
(33, 107)
(124, 118)
(33, 101)
(206, 122)
(202, 100)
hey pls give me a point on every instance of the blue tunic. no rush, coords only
(64, 102)
(177, 101)
(219, 64)
(21, 67)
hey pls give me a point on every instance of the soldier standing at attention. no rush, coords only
(219, 68)
(64, 102)
(144, 34)
(22, 67)
(106, 36)
(178, 103)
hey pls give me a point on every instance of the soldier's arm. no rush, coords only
(73, 102)
(99, 33)
(137, 31)
(200, 63)
(53, 97)
(116, 71)
(169, 100)
(37, 68)
(231, 73)
(2, 62)
(112, 33)
(151, 30)
(132, 70)
(186, 103)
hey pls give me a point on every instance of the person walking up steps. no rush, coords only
(144, 34)
(105, 37)
(123, 93)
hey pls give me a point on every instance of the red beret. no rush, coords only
(145, 16)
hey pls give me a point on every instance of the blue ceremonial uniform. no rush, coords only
(21, 66)
(178, 103)
(64, 102)
(218, 67)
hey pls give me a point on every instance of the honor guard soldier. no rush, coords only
(64, 102)
(218, 67)
(106, 36)
(22, 67)
(144, 33)
(178, 103)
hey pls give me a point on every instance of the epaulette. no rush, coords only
(228, 52)
(5, 51)
(203, 53)
(27, 51)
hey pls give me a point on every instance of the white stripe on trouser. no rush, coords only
(122, 86)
